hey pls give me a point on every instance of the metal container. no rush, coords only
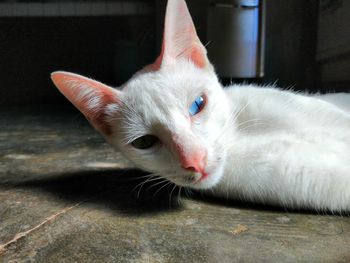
(236, 37)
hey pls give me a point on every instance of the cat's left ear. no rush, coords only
(91, 97)
(180, 38)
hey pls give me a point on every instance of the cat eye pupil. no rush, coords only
(145, 142)
(197, 106)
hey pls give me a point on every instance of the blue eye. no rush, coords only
(197, 106)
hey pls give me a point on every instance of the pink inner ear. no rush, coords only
(89, 96)
(198, 58)
(180, 38)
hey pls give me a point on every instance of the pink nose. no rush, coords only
(195, 162)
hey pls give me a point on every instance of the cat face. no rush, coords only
(157, 129)
(169, 117)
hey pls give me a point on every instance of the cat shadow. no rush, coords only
(116, 190)
(121, 191)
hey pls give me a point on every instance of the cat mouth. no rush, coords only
(202, 177)
(208, 178)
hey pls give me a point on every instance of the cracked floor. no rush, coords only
(66, 196)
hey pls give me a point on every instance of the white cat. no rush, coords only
(174, 119)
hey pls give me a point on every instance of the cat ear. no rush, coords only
(180, 38)
(89, 96)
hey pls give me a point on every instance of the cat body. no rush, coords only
(174, 119)
(290, 149)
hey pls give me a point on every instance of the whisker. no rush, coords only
(241, 110)
(234, 115)
(172, 193)
(161, 188)
(179, 195)
(250, 126)
(188, 192)
(141, 177)
(249, 121)
(155, 179)
(153, 185)
(208, 43)
(141, 185)
(229, 120)
(253, 121)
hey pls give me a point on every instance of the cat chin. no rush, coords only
(210, 181)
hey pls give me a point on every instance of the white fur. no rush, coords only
(91, 97)
(264, 144)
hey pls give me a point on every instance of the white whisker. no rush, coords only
(169, 183)
(158, 183)
(250, 126)
(172, 190)
(150, 179)
(251, 120)
(179, 195)
(234, 115)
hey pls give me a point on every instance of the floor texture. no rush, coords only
(66, 196)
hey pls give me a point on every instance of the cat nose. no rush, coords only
(195, 162)
(192, 158)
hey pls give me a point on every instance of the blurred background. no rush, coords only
(299, 44)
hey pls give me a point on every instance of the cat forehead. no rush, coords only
(157, 99)
(178, 81)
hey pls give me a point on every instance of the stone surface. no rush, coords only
(66, 196)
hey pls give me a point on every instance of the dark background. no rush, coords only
(111, 48)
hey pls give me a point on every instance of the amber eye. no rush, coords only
(145, 142)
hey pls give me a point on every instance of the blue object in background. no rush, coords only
(235, 36)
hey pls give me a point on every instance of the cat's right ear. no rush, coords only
(180, 39)
(89, 96)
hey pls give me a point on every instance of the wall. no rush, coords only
(333, 50)
(31, 48)
(291, 43)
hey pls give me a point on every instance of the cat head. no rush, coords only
(169, 117)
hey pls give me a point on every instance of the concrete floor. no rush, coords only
(66, 196)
